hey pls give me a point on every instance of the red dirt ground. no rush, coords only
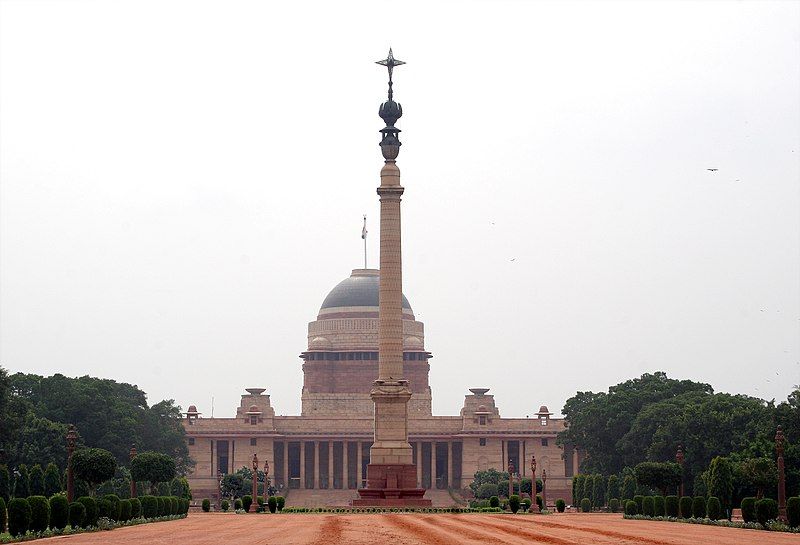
(423, 529)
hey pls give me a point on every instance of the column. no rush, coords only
(522, 458)
(286, 463)
(418, 461)
(345, 474)
(316, 465)
(231, 463)
(449, 464)
(433, 465)
(302, 464)
(359, 469)
(330, 464)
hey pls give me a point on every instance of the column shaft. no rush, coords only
(418, 461)
(302, 464)
(330, 463)
(449, 464)
(359, 463)
(317, 468)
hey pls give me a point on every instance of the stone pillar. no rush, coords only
(433, 465)
(330, 464)
(360, 465)
(231, 453)
(302, 464)
(449, 464)
(316, 465)
(286, 464)
(345, 466)
(254, 494)
(418, 461)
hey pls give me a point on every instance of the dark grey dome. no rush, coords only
(359, 290)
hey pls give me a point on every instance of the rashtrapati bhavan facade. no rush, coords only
(328, 445)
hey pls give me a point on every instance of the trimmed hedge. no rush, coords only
(149, 506)
(90, 518)
(639, 499)
(658, 506)
(225, 505)
(494, 501)
(162, 509)
(115, 506)
(136, 508)
(105, 508)
(671, 506)
(206, 505)
(685, 507)
(281, 502)
(19, 516)
(793, 511)
(630, 507)
(3, 516)
(699, 507)
(613, 505)
(586, 505)
(766, 510)
(560, 505)
(124, 510)
(748, 509)
(40, 513)
(247, 501)
(174, 508)
(513, 503)
(77, 513)
(713, 508)
(648, 506)
(59, 512)
(272, 503)
(237, 503)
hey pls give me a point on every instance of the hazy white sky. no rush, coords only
(181, 184)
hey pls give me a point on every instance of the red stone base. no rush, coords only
(391, 485)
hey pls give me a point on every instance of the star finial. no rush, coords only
(390, 62)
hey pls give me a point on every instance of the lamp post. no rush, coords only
(219, 489)
(679, 459)
(132, 455)
(266, 480)
(510, 479)
(534, 504)
(544, 488)
(779, 440)
(72, 437)
(254, 505)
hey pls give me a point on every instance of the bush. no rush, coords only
(658, 506)
(494, 501)
(162, 510)
(639, 499)
(630, 507)
(749, 509)
(124, 510)
(40, 512)
(52, 481)
(77, 513)
(247, 501)
(685, 507)
(613, 505)
(261, 500)
(136, 508)
(93, 465)
(671, 506)
(59, 512)
(513, 503)
(793, 511)
(237, 503)
(206, 505)
(104, 508)
(766, 510)
(174, 508)
(149, 506)
(272, 503)
(648, 506)
(3, 516)
(720, 482)
(225, 505)
(560, 505)
(281, 502)
(713, 508)
(540, 501)
(486, 490)
(699, 507)
(90, 517)
(115, 506)
(19, 516)
(526, 504)
(586, 505)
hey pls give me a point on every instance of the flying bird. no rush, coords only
(712, 169)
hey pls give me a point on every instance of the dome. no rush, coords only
(192, 409)
(359, 290)
(319, 343)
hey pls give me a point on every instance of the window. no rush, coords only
(483, 441)
(253, 420)
(482, 420)
(191, 441)
(544, 442)
(254, 441)
(543, 420)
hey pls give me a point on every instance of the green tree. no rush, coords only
(36, 480)
(628, 487)
(760, 473)
(599, 490)
(94, 466)
(613, 488)
(52, 480)
(5, 483)
(720, 482)
(153, 467)
(663, 476)
(22, 482)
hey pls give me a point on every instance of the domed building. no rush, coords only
(326, 448)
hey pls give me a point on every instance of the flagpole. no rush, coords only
(364, 236)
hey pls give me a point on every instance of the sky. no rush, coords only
(182, 183)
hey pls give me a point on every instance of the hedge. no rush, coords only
(124, 510)
(40, 513)
(237, 503)
(513, 503)
(613, 505)
(104, 509)
(648, 506)
(766, 510)
(560, 505)
(162, 508)
(586, 505)
(174, 508)
(19, 516)
(671, 506)
(225, 505)
(793, 511)
(494, 501)
(658, 506)
(206, 505)
(149, 507)
(699, 507)
(630, 507)
(3, 516)
(77, 513)
(59, 512)
(685, 507)
(247, 501)
(272, 503)
(639, 499)
(748, 509)
(713, 508)
(90, 518)
(115, 506)
(281, 502)
(136, 508)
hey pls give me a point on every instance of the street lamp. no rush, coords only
(544, 488)
(510, 479)
(254, 505)
(534, 503)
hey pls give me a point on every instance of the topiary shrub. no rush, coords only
(526, 504)
(486, 490)
(560, 505)
(90, 517)
(174, 508)
(206, 505)
(539, 501)
(136, 508)
(162, 510)
(513, 503)
(149, 506)
(124, 510)
(586, 505)
(766, 510)
(19, 516)
(713, 508)
(699, 507)
(685, 507)
(104, 508)
(59, 512)
(115, 506)
(40, 513)
(52, 481)
(613, 505)
(671, 506)
(3, 516)
(648, 506)
(793, 511)
(748, 509)
(237, 503)
(494, 501)
(272, 503)
(639, 499)
(630, 507)
(77, 513)
(281, 502)
(225, 505)
(658, 506)
(247, 501)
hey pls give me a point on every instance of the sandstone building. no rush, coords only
(328, 445)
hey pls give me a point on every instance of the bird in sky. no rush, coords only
(712, 169)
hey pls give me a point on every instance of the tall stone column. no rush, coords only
(302, 464)
(391, 475)
(330, 464)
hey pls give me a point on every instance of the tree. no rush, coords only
(720, 482)
(612, 490)
(599, 490)
(628, 487)
(36, 480)
(52, 480)
(663, 476)
(491, 476)
(5, 484)
(759, 473)
(22, 483)
(153, 467)
(94, 466)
